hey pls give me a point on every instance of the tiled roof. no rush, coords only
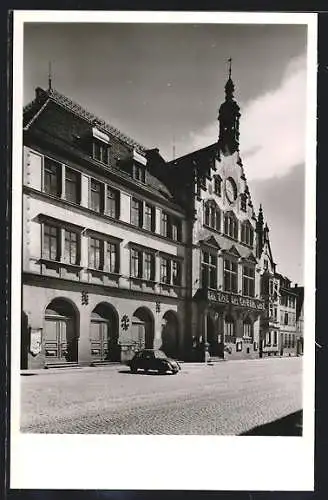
(87, 115)
(64, 122)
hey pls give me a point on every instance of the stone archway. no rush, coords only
(143, 328)
(61, 331)
(170, 334)
(104, 333)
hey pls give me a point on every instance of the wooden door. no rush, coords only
(99, 336)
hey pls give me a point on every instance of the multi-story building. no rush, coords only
(288, 330)
(270, 292)
(104, 242)
(123, 250)
(299, 318)
(222, 268)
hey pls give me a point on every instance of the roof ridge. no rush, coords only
(84, 113)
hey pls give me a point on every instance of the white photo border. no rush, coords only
(85, 460)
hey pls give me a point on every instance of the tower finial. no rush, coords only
(49, 76)
(229, 61)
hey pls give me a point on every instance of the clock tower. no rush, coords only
(229, 115)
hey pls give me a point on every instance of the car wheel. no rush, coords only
(133, 369)
(162, 371)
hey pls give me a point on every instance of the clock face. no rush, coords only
(231, 190)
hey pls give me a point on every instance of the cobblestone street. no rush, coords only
(226, 398)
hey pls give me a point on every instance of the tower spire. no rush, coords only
(229, 115)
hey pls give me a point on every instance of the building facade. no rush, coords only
(123, 250)
(103, 243)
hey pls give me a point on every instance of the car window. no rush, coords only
(160, 355)
(147, 354)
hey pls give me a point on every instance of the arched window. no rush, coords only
(230, 225)
(212, 215)
(217, 185)
(243, 202)
(229, 329)
(247, 233)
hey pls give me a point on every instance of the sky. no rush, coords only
(162, 84)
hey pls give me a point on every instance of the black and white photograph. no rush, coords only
(165, 182)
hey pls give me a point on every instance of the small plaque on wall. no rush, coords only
(35, 341)
(239, 346)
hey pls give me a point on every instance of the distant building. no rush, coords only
(123, 250)
(288, 330)
(299, 290)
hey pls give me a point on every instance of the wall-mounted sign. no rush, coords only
(238, 300)
(125, 322)
(35, 341)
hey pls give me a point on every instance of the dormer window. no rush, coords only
(217, 185)
(100, 146)
(100, 152)
(139, 173)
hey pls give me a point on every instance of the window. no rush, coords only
(229, 329)
(96, 196)
(51, 242)
(101, 152)
(292, 340)
(209, 270)
(164, 224)
(265, 264)
(72, 185)
(136, 212)
(149, 266)
(230, 225)
(248, 280)
(96, 254)
(212, 215)
(71, 247)
(247, 233)
(149, 217)
(170, 271)
(112, 202)
(230, 274)
(286, 319)
(171, 226)
(112, 258)
(243, 202)
(52, 177)
(142, 264)
(275, 337)
(139, 173)
(248, 329)
(176, 272)
(217, 185)
(136, 263)
(165, 270)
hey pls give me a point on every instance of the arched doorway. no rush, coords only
(170, 334)
(104, 333)
(60, 332)
(143, 328)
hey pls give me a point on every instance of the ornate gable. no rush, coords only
(210, 242)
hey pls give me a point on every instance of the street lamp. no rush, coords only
(206, 353)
